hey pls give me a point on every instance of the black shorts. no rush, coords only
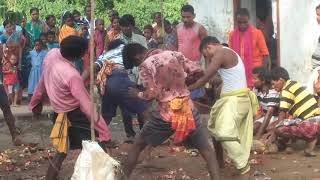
(79, 130)
(156, 131)
(4, 102)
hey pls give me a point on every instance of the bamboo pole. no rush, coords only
(162, 17)
(92, 71)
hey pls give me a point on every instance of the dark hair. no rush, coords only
(51, 33)
(129, 52)
(115, 17)
(148, 26)
(34, 9)
(174, 23)
(97, 20)
(49, 17)
(225, 44)
(166, 23)
(73, 47)
(38, 41)
(76, 12)
(187, 8)
(124, 21)
(318, 7)
(155, 14)
(87, 6)
(130, 19)
(66, 15)
(263, 74)
(114, 44)
(43, 34)
(208, 40)
(6, 22)
(114, 12)
(243, 12)
(279, 72)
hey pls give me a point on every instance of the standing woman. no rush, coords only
(68, 28)
(115, 31)
(35, 27)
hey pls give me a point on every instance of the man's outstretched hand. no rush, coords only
(133, 92)
(37, 110)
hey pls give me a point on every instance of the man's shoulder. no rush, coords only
(138, 36)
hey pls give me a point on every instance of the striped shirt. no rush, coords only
(269, 99)
(297, 101)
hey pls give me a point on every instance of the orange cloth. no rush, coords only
(260, 48)
(182, 120)
(66, 31)
(103, 74)
(113, 35)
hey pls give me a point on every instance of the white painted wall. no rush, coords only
(299, 33)
(299, 30)
(216, 16)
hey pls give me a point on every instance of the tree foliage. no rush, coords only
(142, 10)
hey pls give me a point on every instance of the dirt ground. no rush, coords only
(30, 162)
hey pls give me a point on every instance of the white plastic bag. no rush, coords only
(94, 164)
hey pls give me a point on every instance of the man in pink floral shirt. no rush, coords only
(163, 74)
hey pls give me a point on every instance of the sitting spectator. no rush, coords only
(268, 99)
(297, 102)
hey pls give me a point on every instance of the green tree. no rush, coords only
(142, 10)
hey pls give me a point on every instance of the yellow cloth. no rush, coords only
(231, 123)
(66, 31)
(182, 120)
(59, 133)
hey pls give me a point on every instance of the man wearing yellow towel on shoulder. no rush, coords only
(163, 75)
(231, 117)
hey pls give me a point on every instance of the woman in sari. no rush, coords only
(69, 29)
(115, 31)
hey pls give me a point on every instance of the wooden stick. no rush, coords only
(162, 17)
(92, 71)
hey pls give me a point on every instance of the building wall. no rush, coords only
(299, 30)
(216, 16)
(299, 33)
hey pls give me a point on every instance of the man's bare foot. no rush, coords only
(244, 176)
(289, 150)
(309, 153)
(17, 141)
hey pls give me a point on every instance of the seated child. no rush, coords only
(268, 99)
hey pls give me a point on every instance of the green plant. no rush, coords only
(142, 10)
